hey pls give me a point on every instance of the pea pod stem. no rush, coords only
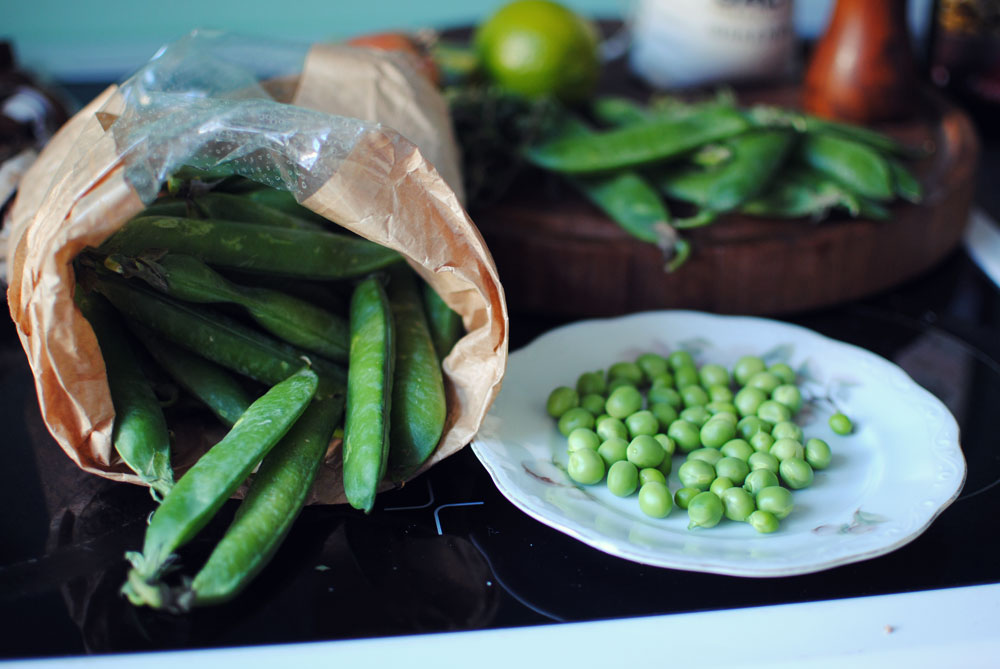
(681, 253)
(139, 435)
(699, 219)
(310, 254)
(203, 489)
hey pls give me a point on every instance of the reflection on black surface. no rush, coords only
(338, 575)
(932, 344)
(448, 552)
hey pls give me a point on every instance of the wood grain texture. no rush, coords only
(558, 255)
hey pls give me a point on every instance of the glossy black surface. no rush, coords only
(448, 552)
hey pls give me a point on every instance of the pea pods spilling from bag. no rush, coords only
(373, 168)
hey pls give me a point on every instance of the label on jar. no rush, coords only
(683, 43)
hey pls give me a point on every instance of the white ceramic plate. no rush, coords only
(887, 482)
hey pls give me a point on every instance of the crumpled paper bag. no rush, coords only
(357, 135)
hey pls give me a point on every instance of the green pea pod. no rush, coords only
(283, 200)
(770, 116)
(205, 487)
(625, 196)
(369, 393)
(221, 339)
(289, 318)
(798, 192)
(685, 182)
(182, 180)
(309, 254)
(139, 435)
(654, 140)
(331, 296)
(445, 323)
(207, 174)
(618, 111)
(277, 493)
(872, 210)
(168, 207)
(755, 157)
(416, 421)
(857, 166)
(238, 185)
(242, 208)
(876, 140)
(210, 383)
(906, 185)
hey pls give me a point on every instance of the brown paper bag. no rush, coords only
(392, 178)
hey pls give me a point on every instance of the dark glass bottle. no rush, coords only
(964, 57)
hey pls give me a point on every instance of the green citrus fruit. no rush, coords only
(538, 48)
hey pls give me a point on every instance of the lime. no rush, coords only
(538, 48)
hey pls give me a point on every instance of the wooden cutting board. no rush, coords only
(558, 255)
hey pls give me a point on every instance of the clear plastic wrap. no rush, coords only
(202, 102)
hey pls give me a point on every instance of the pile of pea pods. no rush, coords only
(228, 300)
(743, 452)
(640, 164)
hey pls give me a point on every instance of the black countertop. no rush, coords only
(448, 552)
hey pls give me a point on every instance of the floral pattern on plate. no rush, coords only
(887, 482)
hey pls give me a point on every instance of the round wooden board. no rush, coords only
(558, 255)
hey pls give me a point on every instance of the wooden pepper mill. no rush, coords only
(862, 69)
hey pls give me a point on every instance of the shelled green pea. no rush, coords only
(652, 365)
(736, 430)
(841, 424)
(561, 400)
(704, 510)
(586, 466)
(655, 500)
